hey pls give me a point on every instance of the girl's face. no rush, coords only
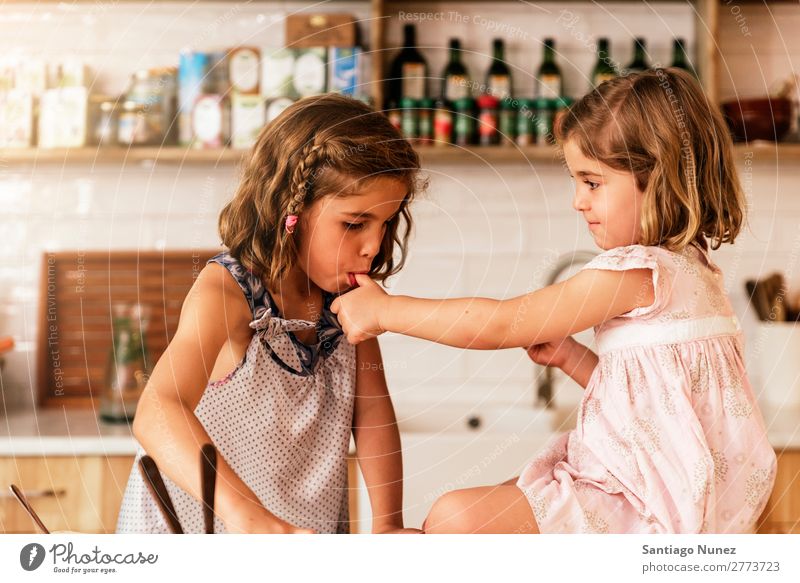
(341, 235)
(608, 199)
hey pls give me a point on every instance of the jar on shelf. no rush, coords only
(464, 123)
(103, 120)
(526, 123)
(425, 126)
(442, 123)
(488, 120)
(409, 118)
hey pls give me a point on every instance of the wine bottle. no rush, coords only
(639, 62)
(455, 78)
(550, 80)
(603, 69)
(498, 78)
(679, 57)
(408, 72)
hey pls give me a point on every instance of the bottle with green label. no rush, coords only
(465, 123)
(679, 57)
(455, 78)
(639, 62)
(549, 77)
(408, 72)
(498, 78)
(603, 69)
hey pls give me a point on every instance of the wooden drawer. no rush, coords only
(782, 514)
(69, 493)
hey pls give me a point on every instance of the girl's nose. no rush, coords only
(580, 202)
(370, 246)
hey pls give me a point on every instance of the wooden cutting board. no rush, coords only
(78, 290)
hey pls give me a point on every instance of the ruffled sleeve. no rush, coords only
(635, 257)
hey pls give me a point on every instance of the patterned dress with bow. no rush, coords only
(282, 419)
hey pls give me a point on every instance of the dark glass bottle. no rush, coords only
(455, 78)
(550, 79)
(498, 78)
(408, 73)
(603, 69)
(639, 62)
(679, 57)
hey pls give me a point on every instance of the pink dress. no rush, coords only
(669, 438)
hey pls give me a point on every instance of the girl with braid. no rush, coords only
(259, 365)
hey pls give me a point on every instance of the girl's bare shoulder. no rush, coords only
(215, 296)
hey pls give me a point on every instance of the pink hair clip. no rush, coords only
(291, 221)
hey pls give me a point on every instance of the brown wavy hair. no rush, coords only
(314, 149)
(660, 126)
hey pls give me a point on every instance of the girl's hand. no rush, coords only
(261, 521)
(555, 353)
(359, 310)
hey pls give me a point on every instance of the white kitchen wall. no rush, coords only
(488, 229)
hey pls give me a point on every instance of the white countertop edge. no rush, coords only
(67, 447)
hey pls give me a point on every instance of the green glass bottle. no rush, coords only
(603, 69)
(679, 57)
(639, 62)
(498, 78)
(550, 79)
(455, 78)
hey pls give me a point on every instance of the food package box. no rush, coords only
(248, 116)
(244, 70)
(16, 118)
(191, 73)
(321, 30)
(210, 121)
(63, 117)
(347, 71)
(293, 73)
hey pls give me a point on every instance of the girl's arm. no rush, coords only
(378, 440)
(165, 424)
(590, 297)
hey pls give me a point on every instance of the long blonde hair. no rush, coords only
(310, 151)
(660, 126)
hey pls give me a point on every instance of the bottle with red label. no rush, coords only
(488, 112)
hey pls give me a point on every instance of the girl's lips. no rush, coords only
(351, 279)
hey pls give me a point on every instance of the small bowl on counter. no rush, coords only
(766, 118)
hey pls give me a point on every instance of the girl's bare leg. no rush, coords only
(484, 510)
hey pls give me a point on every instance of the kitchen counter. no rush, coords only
(61, 432)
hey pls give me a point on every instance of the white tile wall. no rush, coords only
(491, 230)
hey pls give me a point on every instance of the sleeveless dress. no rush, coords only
(669, 437)
(282, 419)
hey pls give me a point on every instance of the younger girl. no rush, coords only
(669, 438)
(259, 366)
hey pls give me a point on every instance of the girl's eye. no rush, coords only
(353, 226)
(592, 185)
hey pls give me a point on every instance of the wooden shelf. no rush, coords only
(173, 155)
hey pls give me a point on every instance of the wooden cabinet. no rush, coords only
(68, 493)
(782, 514)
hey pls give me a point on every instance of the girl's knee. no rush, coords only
(449, 514)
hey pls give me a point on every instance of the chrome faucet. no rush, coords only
(544, 388)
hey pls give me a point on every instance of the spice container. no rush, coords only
(425, 115)
(508, 121)
(442, 123)
(526, 123)
(465, 123)
(409, 119)
(488, 114)
(545, 108)
(103, 120)
(132, 129)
